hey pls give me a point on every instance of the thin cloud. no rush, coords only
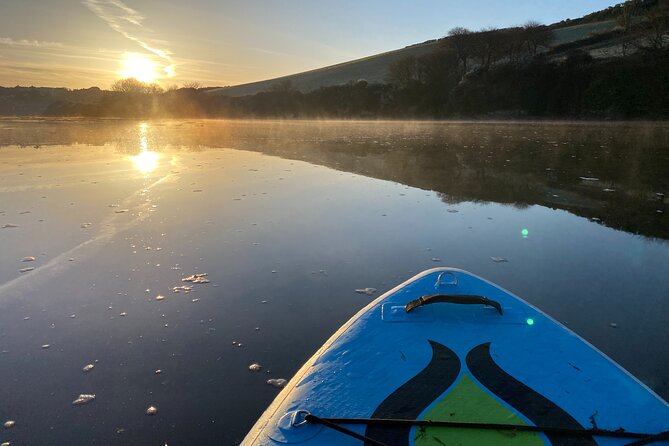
(29, 43)
(129, 23)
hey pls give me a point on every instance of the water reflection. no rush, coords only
(611, 173)
(147, 160)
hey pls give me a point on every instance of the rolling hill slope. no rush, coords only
(373, 69)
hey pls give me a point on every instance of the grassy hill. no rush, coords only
(374, 69)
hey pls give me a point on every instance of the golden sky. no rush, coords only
(83, 43)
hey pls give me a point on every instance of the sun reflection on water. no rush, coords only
(146, 161)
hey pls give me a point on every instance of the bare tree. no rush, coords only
(461, 40)
(192, 84)
(536, 35)
(486, 46)
(510, 42)
(133, 86)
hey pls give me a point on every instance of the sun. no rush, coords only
(138, 66)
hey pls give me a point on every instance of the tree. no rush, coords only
(461, 41)
(536, 35)
(510, 42)
(133, 86)
(486, 46)
(192, 84)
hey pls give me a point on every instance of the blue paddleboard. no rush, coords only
(448, 358)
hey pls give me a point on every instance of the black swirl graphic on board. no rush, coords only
(537, 408)
(411, 399)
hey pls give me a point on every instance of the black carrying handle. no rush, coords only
(466, 299)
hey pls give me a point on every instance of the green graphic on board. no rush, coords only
(468, 402)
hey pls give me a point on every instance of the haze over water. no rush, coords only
(288, 219)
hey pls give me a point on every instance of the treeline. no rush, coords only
(636, 86)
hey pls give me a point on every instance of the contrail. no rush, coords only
(128, 22)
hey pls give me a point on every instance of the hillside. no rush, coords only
(375, 69)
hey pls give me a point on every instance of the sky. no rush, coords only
(84, 43)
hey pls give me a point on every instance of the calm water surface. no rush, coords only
(287, 219)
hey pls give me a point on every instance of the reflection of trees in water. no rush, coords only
(519, 164)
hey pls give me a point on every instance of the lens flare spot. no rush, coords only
(529, 321)
(525, 233)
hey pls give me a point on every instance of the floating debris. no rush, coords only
(120, 430)
(27, 318)
(196, 278)
(72, 316)
(122, 211)
(589, 178)
(452, 211)
(123, 314)
(152, 410)
(367, 291)
(435, 259)
(88, 368)
(595, 219)
(498, 259)
(86, 225)
(278, 382)
(608, 190)
(160, 297)
(255, 367)
(195, 300)
(28, 259)
(10, 225)
(45, 346)
(614, 325)
(158, 372)
(25, 270)
(9, 424)
(84, 398)
(6, 443)
(185, 288)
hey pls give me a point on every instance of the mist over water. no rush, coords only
(287, 220)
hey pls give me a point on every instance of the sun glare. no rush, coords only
(146, 161)
(139, 67)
